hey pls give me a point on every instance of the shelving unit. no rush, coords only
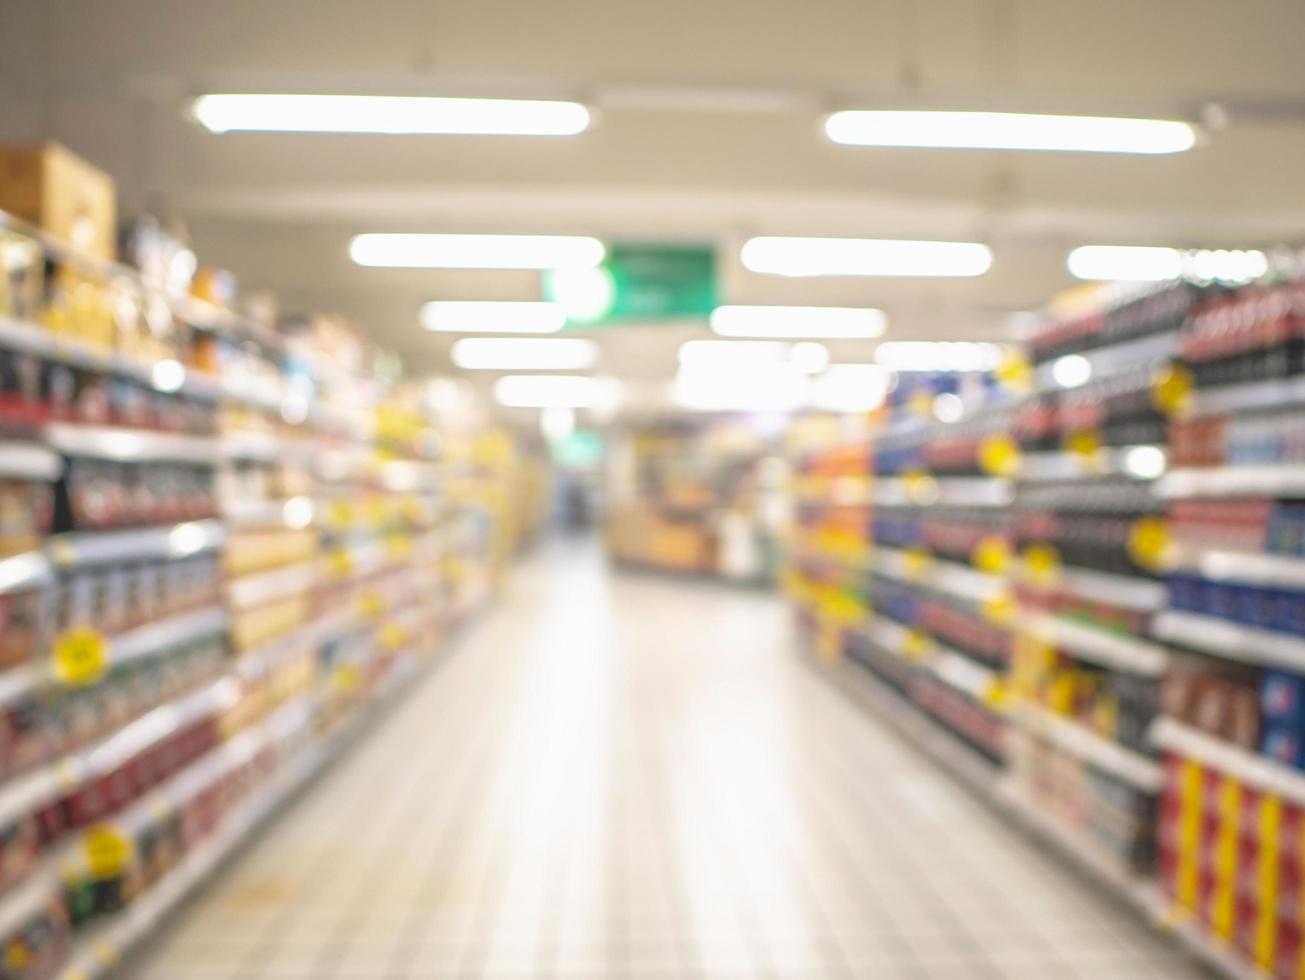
(203, 613)
(1141, 547)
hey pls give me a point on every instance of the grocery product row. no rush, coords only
(1081, 574)
(702, 496)
(224, 540)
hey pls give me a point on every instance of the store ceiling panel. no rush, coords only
(707, 128)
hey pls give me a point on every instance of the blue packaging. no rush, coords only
(1282, 700)
(1283, 745)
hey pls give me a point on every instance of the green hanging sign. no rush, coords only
(638, 283)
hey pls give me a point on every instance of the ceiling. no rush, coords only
(707, 128)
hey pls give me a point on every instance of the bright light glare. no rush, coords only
(864, 257)
(297, 512)
(798, 322)
(512, 354)
(1125, 263)
(809, 357)
(850, 388)
(186, 539)
(557, 422)
(390, 115)
(752, 387)
(1009, 131)
(723, 356)
(1144, 462)
(925, 355)
(555, 391)
(436, 251)
(458, 316)
(1071, 371)
(587, 295)
(168, 375)
(1145, 263)
(948, 407)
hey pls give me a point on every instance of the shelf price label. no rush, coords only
(915, 562)
(1084, 446)
(108, 851)
(398, 545)
(999, 455)
(1148, 543)
(81, 656)
(991, 555)
(915, 644)
(1042, 564)
(998, 608)
(392, 637)
(1013, 371)
(370, 604)
(340, 562)
(1171, 389)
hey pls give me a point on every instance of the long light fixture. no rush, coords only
(555, 391)
(783, 256)
(1009, 131)
(393, 115)
(524, 354)
(820, 322)
(466, 316)
(926, 355)
(759, 387)
(1147, 263)
(850, 388)
(441, 251)
(728, 356)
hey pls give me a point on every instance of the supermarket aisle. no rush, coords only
(627, 776)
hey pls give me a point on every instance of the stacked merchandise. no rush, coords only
(697, 495)
(1091, 537)
(928, 605)
(1232, 818)
(170, 644)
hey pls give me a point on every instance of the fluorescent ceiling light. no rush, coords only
(418, 251)
(1071, 371)
(726, 356)
(823, 322)
(864, 257)
(389, 114)
(555, 391)
(761, 387)
(458, 316)
(850, 388)
(533, 354)
(1145, 263)
(923, 355)
(1009, 131)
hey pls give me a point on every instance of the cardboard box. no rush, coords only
(59, 192)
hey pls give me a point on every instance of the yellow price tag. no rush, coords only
(340, 562)
(1013, 371)
(398, 545)
(1171, 389)
(81, 656)
(998, 609)
(108, 851)
(1148, 543)
(340, 514)
(999, 455)
(370, 604)
(920, 403)
(915, 644)
(994, 695)
(392, 637)
(919, 486)
(347, 678)
(915, 562)
(1042, 564)
(828, 647)
(1085, 446)
(991, 555)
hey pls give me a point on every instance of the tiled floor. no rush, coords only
(625, 776)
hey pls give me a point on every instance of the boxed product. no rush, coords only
(55, 189)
